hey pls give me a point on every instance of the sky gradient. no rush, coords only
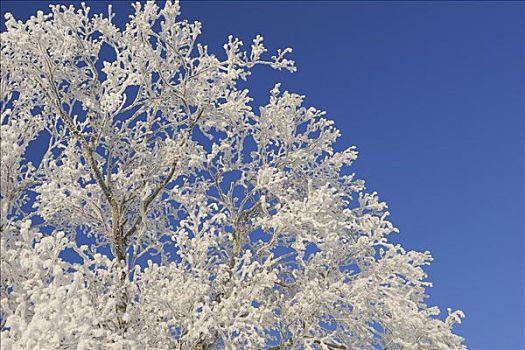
(432, 94)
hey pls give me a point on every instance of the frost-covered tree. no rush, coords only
(166, 213)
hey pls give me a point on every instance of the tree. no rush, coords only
(166, 213)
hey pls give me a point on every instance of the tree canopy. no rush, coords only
(167, 212)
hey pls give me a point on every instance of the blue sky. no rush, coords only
(432, 93)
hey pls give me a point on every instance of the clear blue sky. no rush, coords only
(432, 93)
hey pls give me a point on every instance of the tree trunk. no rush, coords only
(119, 249)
